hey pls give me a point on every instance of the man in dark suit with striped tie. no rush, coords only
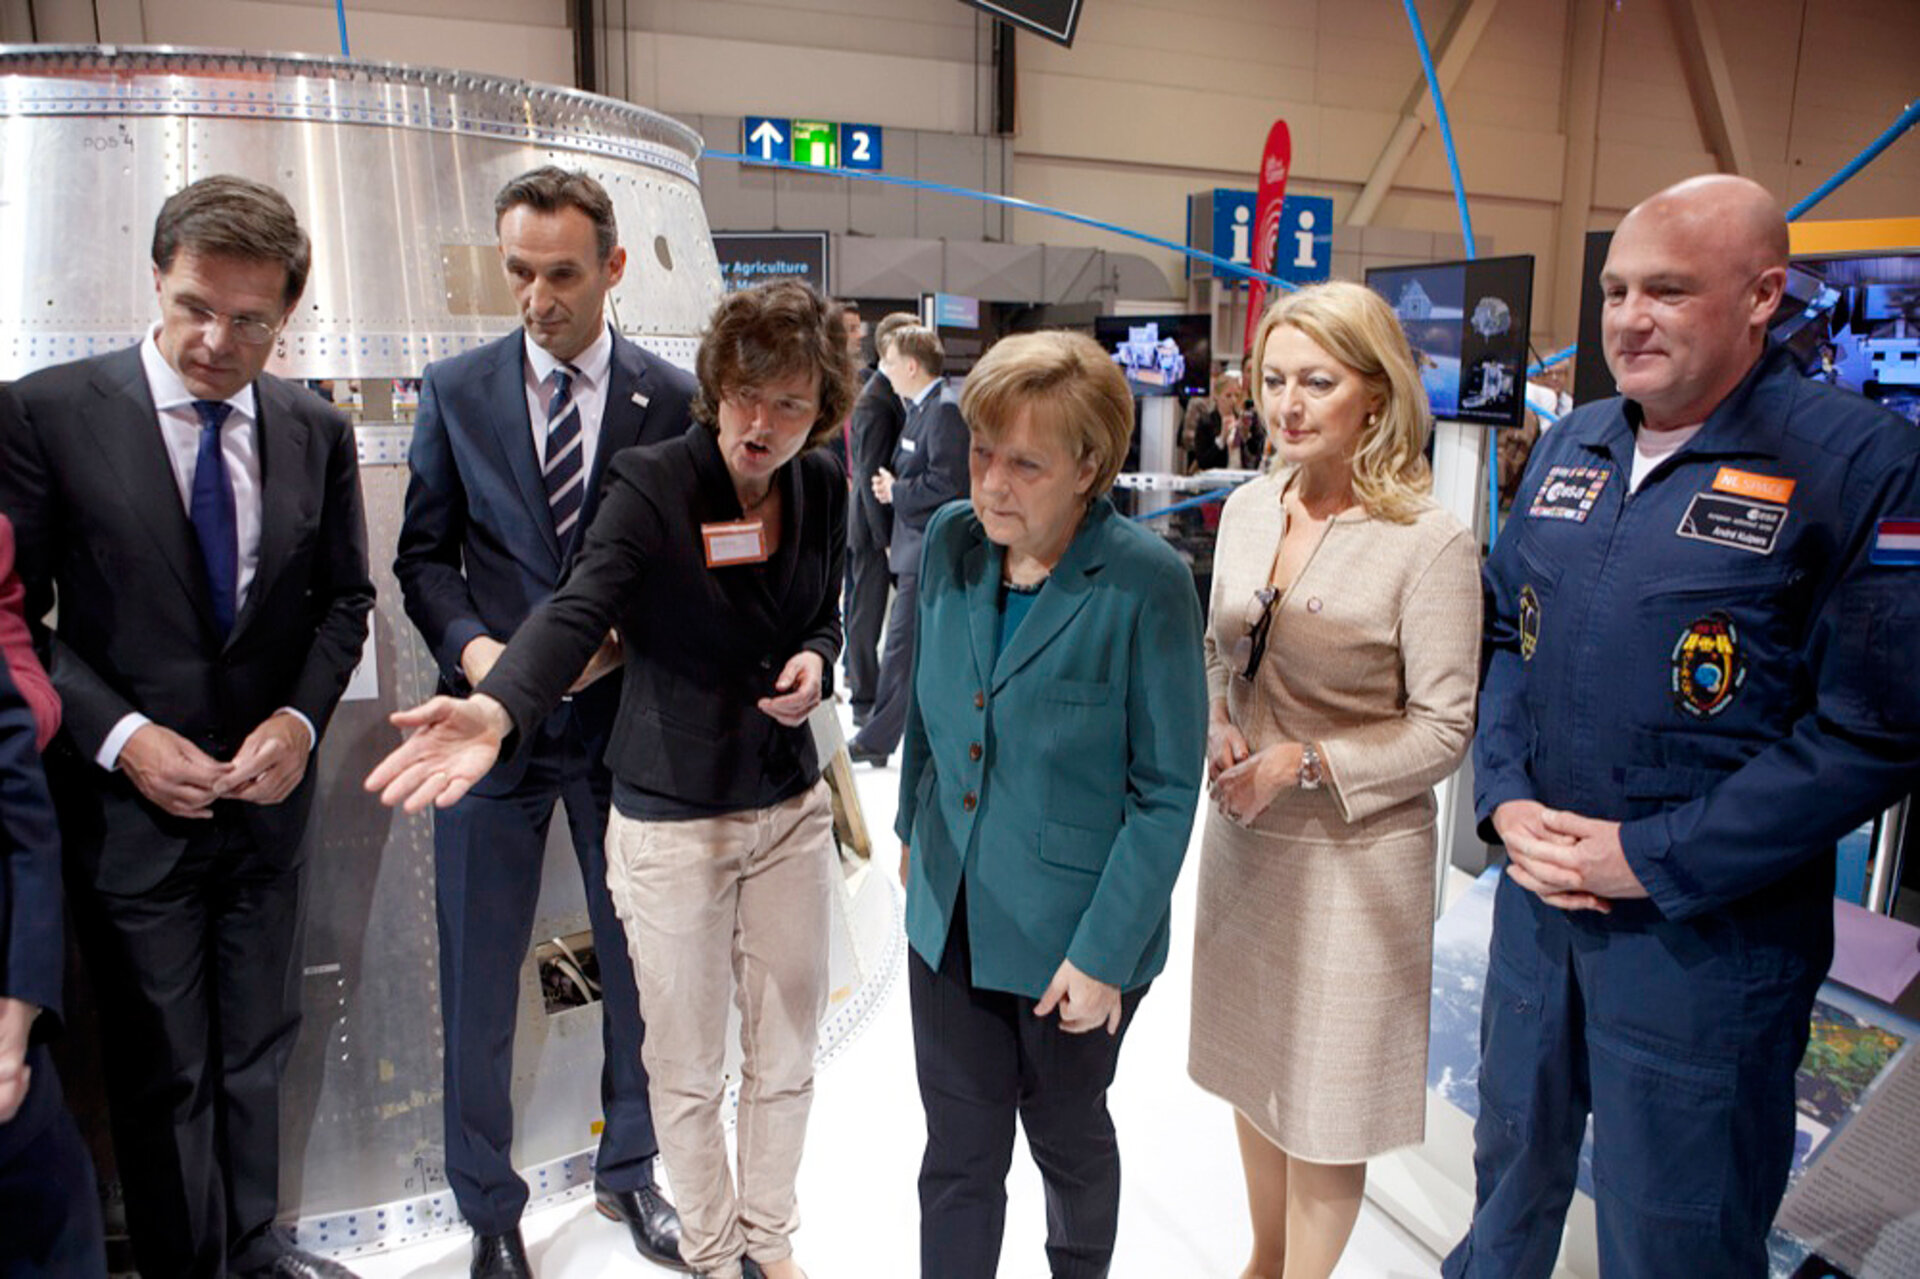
(508, 450)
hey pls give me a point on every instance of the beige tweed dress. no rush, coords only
(1313, 945)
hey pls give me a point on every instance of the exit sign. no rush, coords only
(816, 144)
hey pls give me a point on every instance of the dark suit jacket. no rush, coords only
(703, 645)
(16, 644)
(878, 416)
(32, 950)
(84, 475)
(477, 551)
(929, 470)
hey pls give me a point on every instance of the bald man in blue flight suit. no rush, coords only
(1701, 656)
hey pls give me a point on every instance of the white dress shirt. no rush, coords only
(240, 447)
(593, 368)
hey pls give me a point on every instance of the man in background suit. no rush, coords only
(929, 469)
(508, 451)
(200, 523)
(48, 1194)
(878, 416)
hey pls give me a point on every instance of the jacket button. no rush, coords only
(974, 752)
(979, 701)
(969, 801)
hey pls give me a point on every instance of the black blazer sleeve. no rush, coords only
(551, 648)
(428, 561)
(824, 636)
(919, 492)
(90, 707)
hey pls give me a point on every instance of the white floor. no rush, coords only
(1183, 1213)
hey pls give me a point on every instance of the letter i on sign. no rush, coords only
(1242, 235)
(1303, 240)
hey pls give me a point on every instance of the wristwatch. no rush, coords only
(1310, 774)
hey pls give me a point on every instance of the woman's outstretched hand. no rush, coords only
(455, 741)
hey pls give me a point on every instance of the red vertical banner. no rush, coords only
(1275, 160)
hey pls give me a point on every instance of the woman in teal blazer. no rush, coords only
(1054, 746)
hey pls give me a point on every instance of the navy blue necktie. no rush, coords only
(211, 510)
(565, 474)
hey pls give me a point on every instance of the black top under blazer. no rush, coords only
(702, 645)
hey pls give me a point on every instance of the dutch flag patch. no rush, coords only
(1897, 541)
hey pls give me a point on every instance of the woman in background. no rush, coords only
(1341, 661)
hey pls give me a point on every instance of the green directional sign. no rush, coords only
(816, 144)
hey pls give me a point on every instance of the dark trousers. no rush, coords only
(889, 718)
(1682, 1039)
(49, 1199)
(866, 608)
(984, 1059)
(488, 853)
(197, 980)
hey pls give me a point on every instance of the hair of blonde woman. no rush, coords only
(1073, 391)
(1355, 326)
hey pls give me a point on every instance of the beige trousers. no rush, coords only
(737, 902)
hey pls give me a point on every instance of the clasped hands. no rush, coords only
(1242, 782)
(1564, 859)
(184, 780)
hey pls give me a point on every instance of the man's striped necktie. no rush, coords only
(565, 472)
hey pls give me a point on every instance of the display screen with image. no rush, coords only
(1855, 322)
(1160, 354)
(1468, 325)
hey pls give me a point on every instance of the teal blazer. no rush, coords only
(1061, 779)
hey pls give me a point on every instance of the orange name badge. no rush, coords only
(1759, 488)
(740, 542)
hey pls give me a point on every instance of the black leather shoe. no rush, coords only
(501, 1256)
(295, 1264)
(651, 1220)
(860, 755)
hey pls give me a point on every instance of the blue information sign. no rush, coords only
(1304, 254)
(860, 146)
(766, 137)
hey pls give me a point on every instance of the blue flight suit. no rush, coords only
(1720, 663)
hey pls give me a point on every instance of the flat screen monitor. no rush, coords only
(1468, 324)
(1160, 354)
(1855, 322)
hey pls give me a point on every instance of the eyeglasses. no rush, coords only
(1251, 647)
(244, 328)
(785, 410)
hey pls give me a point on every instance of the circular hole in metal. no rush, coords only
(663, 252)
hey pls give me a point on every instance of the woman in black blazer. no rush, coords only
(716, 559)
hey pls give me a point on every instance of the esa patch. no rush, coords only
(1732, 521)
(1568, 492)
(1708, 666)
(1529, 622)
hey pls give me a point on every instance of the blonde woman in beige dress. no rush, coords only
(1341, 660)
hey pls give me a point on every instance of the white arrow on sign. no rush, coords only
(767, 137)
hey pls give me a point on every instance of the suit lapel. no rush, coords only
(281, 434)
(126, 432)
(506, 390)
(624, 420)
(1064, 595)
(980, 570)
